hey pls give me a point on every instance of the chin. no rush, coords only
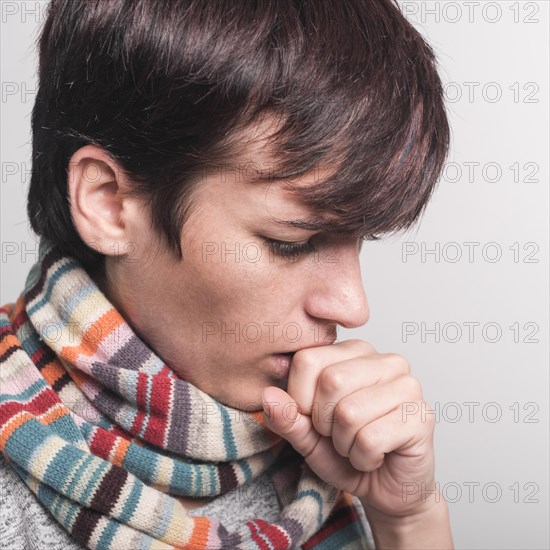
(245, 400)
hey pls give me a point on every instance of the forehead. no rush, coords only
(233, 194)
(249, 184)
(287, 209)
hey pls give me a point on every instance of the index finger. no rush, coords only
(308, 363)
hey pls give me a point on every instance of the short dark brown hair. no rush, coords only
(165, 86)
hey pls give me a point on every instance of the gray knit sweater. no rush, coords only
(26, 525)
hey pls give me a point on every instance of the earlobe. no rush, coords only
(95, 189)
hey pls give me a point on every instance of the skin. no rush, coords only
(346, 397)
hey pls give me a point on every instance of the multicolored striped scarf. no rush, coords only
(108, 437)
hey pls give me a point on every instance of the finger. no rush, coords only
(308, 363)
(390, 433)
(340, 379)
(283, 417)
(362, 407)
(318, 451)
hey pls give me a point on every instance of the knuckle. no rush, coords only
(412, 385)
(399, 362)
(363, 345)
(346, 413)
(369, 438)
(304, 359)
(332, 380)
(356, 342)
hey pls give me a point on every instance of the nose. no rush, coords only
(336, 293)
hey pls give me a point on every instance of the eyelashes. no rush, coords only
(292, 250)
(286, 249)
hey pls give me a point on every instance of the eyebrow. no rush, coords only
(309, 224)
(330, 226)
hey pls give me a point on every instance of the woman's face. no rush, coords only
(220, 317)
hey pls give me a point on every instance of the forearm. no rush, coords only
(430, 529)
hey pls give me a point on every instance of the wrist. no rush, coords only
(428, 528)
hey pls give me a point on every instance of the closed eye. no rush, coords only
(286, 249)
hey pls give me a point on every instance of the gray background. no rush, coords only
(472, 319)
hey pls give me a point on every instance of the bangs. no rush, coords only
(371, 116)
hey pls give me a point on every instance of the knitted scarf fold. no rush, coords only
(108, 437)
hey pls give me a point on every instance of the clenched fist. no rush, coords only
(344, 412)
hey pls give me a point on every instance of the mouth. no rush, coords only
(281, 363)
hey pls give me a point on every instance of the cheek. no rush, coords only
(235, 278)
(231, 275)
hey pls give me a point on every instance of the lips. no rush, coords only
(281, 364)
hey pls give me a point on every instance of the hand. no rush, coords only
(344, 412)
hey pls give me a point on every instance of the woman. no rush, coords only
(203, 176)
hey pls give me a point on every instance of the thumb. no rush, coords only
(282, 415)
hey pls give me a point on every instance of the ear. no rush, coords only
(100, 210)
